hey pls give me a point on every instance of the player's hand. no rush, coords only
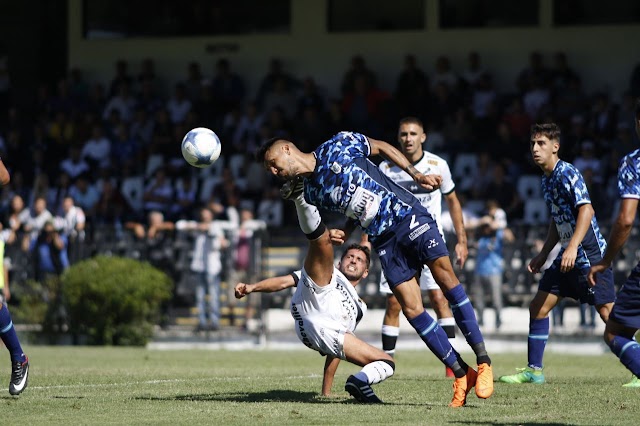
(595, 269)
(462, 252)
(429, 182)
(338, 236)
(568, 259)
(536, 263)
(241, 290)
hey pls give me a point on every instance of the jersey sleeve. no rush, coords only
(575, 185)
(628, 179)
(356, 144)
(447, 186)
(296, 277)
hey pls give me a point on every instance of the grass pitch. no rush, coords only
(96, 385)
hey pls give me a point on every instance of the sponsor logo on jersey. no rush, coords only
(433, 162)
(419, 231)
(336, 168)
(382, 253)
(300, 324)
(336, 195)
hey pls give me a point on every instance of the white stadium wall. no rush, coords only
(603, 55)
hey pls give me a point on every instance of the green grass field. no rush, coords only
(95, 385)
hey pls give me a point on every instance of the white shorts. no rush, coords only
(427, 282)
(322, 334)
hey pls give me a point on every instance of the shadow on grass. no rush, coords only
(494, 423)
(268, 396)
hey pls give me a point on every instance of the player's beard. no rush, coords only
(352, 276)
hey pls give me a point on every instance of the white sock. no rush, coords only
(391, 330)
(375, 372)
(308, 215)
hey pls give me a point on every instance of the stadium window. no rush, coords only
(375, 15)
(185, 18)
(488, 13)
(595, 12)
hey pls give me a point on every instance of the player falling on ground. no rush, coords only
(573, 224)
(339, 177)
(411, 136)
(624, 320)
(19, 361)
(326, 307)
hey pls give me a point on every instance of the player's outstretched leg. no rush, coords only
(359, 385)
(19, 361)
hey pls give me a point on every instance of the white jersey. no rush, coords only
(428, 164)
(432, 201)
(323, 314)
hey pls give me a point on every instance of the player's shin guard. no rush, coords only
(376, 371)
(537, 341)
(390, 335)
(628, 351)
(9, 336)
(436, 340)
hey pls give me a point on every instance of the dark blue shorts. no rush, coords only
(405, 248)
(626, 311)
(574, 284)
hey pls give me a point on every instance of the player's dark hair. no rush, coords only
(356, 246)
(550, 130)
(262, 149)
(411, 120)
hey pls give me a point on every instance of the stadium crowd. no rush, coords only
(100, 161)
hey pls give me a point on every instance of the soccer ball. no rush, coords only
(201, 147)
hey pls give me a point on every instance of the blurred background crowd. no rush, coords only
(96, 165)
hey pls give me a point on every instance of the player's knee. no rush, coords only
(393, 306)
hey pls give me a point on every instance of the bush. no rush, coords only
(114, 301)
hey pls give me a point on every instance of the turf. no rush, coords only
(96, 385)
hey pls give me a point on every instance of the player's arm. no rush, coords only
(583, 223)
(455, 209)
(619, 235)
(4, 174)
(330, 368)
(393, 155)
(340, 235)
(552, 239)
(268, 285)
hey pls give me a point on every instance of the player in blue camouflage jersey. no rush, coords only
(338, 177)
(624, 320)
(573, 224)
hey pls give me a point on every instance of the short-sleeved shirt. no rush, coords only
(564, 191)
(626, 310)
(428, 164)
(346, 182)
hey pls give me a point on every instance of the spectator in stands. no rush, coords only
(602, 117)
(148, 99)
(587, 160)
(358, 69)
(193, 82)
(228, 88)
(362, 106)
(147, 72)
(206, 265)
(39, 215)
(85, 194)
(96, 152)
(504, 192)
(158, 194)
(121, 77)
(74, 165)
(561, 74)
(49, 248)
(142, 126)
(156, 236)
(412, 87)
(18, 214)
(112, 208)
(58, 192)
(247, 134)
(444, 74)
(474, 71)
(72, 225)
(185, 198)
(61, 130)
(310, 128)
(310, 97)
(178, 104)
(123, 102)
(491, 236)
(536, 99)
(267, 84)
(281, 96)
(535, 71)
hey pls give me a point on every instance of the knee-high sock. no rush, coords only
(376, 371)
(9, 336)
(467, 322)
(436, 340)
(628, 351)
(390, 335)
(538, 336)
(308, 216)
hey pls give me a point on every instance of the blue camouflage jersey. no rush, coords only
(564, 191)
(346, 182)
(629, 176)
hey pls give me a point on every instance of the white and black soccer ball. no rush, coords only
(201, 147)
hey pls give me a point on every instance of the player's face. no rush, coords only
(354, 265)
(280, 162)
(411, 136)
(543, 150)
